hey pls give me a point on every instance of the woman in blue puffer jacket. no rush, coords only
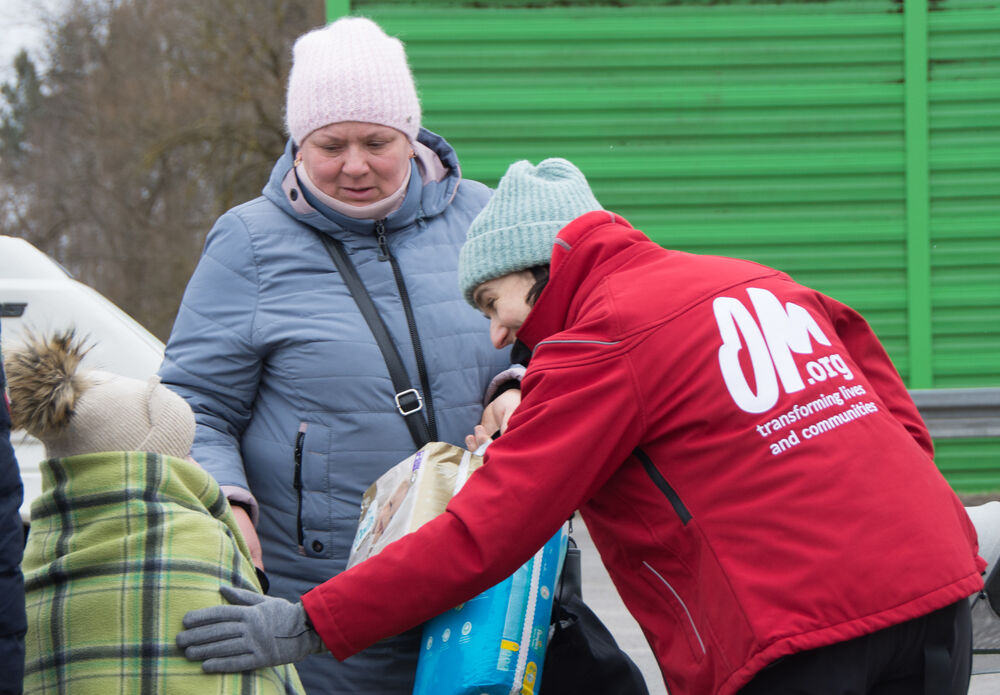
(295, 408)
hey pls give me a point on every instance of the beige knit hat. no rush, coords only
(75, 411)
(350, 70)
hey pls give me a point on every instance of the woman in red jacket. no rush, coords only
(759, 484)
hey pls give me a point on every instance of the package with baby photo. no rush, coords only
(410, 494)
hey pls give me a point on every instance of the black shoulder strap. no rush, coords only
(408, 400)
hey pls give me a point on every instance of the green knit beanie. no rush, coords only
(519, 224)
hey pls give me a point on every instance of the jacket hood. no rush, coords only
(433, 186)
(585, 252)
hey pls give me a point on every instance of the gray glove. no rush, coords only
(253, 632)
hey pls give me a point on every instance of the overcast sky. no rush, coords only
(20, 27)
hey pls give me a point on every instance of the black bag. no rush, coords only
(582, 656)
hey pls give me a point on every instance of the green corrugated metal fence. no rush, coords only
(854, 144)
(964, 153)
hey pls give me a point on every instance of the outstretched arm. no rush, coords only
(548, 463)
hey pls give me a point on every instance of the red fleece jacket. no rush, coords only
(749, 464)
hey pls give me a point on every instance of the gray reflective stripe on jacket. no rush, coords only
(268, 340)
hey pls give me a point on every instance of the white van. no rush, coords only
(36, 293)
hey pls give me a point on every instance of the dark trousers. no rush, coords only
(930, 655)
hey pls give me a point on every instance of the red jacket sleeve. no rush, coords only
(560, 446)
(868, 353)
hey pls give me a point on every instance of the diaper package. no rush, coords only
(410, 494)
(495, 643)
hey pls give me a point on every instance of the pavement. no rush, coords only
(603, 599)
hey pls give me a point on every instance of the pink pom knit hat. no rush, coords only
(350, 70)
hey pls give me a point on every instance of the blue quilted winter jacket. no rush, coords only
(288, 385)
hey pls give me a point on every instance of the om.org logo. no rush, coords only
(770, 339)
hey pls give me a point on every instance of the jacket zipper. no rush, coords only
(300, 438)
(653, 472)
(386, 255)
(694, 628)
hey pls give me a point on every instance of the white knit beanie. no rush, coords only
(350, 70)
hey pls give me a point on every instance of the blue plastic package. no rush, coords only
(494, 644)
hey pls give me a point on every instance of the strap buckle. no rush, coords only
(407, 408)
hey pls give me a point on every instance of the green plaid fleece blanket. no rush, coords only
(121, 546)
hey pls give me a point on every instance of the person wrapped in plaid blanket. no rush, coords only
(126, 537)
